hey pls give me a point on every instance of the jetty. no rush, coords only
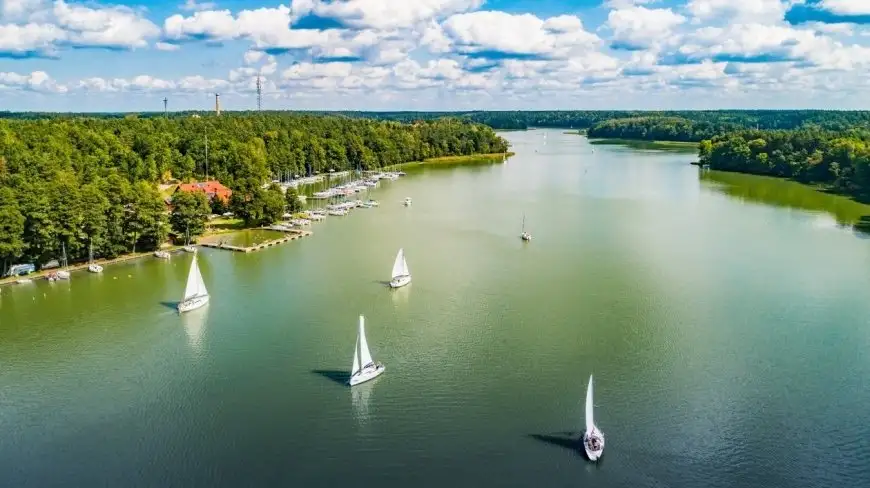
(290, 235)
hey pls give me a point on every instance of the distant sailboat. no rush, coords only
(93, 268)
(401, 275)
(195, 293)
(593, 439)
(525, 235)
(364, 367)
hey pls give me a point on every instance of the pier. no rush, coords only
(290, 235)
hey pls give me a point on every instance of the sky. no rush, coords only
(93, 55)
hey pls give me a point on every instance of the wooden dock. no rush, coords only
(291, 235)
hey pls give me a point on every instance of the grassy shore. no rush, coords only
(454, 160)
(643, 144)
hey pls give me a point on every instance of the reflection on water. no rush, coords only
(785, 193)
(194, 325)
(360, 397)
(400, 295)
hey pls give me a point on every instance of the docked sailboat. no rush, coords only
(62, 273)
(593, 439)
(364, 367)
(195, 293)
(187, 247)
(92, 267)
(525, 235)
(401, 275)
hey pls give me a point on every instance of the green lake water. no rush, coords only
(725, 318)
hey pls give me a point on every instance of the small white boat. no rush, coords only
(593, 439)
(401, 275)
(407, 202)
(364, 367)
(161, 254)
(189, 248)
(62, 275)
(525, 235)
(372, 203)
(195, 293)
(22, 281)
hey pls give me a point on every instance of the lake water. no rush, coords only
(727, 331)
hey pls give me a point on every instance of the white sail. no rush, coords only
(356, 367)
(405, 270)
(590, 424)
(195, 285)
(364, 355)
(400, 267)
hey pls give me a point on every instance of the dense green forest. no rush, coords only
(721, 120)
(74, 182)
(838, 159)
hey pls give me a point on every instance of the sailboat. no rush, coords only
(62, 274)
(401, 275)
(525, 235)
(195, 293)
(364, 367)
(93, 268)
(593, 439)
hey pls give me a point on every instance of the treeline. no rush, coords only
(82, 182)
(659, 129)
(721, 120)
(839, 159)
(585, 119)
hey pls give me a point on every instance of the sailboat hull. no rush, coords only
(192, 303)
(367, 374)
(95, 268)
(594, 454)
(400, 281)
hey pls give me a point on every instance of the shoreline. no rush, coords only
(41, 274)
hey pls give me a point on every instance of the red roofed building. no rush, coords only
(212, 189)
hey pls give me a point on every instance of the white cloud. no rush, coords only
(37, 81)
(846, 7)
(497, 34)
(741, 10)
(113, 27)
(386, 14)
(24, 40)
(19, 9)
(165, 46)
(194, 5)
(642, 27)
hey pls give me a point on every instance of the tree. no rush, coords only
(273, 205)
(11, 229)
(95, 207)
(294, 204)
(189, 213)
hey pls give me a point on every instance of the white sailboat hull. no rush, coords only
(95, 268)
(367, 374)
(192, 303)
(63, 275)
(526, 236)
(400, 281)
(592, 453)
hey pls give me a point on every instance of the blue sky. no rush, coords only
(67, 55)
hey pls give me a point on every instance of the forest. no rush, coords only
(79, 182)
(720, 120)
(839, 160)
